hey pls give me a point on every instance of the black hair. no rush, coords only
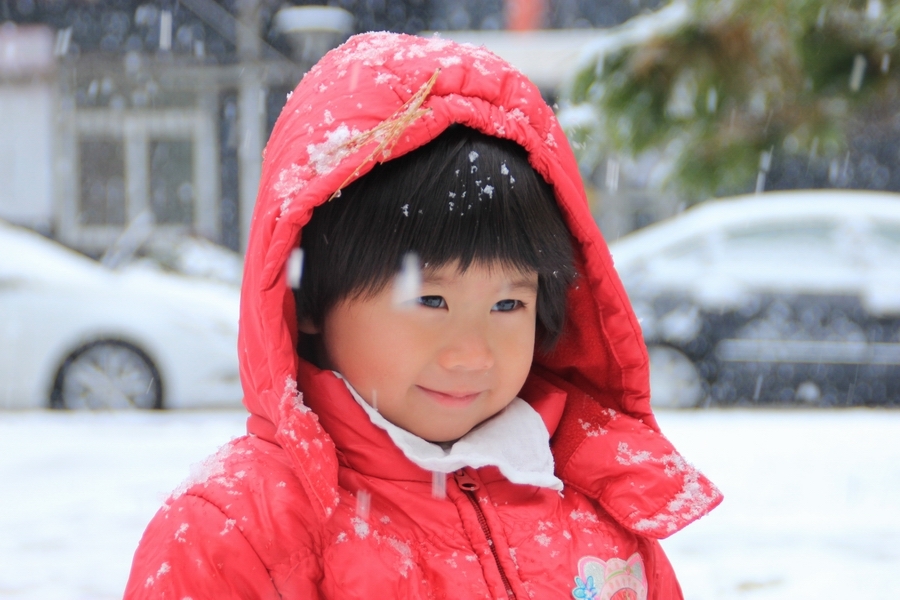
(464, 197)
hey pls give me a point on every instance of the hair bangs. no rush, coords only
(465, 198)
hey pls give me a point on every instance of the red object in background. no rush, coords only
(525, 15)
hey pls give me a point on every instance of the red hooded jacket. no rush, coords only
(276, 513)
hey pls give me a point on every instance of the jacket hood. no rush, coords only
(382, 95)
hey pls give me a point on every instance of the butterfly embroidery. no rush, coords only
(614, 579)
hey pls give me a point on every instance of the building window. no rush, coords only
(171, 181)
(130, 163)
(102, 200)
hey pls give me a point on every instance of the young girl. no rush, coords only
(452, 401)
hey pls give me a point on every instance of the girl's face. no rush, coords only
(439, 363)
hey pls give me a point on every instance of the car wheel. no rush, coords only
(674, 379)
(107, 375)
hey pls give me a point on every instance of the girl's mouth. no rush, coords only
(451, 398)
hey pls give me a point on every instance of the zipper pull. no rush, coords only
(465, 481)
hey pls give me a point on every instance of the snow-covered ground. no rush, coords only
(812, 508)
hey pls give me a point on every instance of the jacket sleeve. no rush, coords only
(191, 549)
(663, 585)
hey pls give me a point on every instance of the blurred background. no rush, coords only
(742, 158)
(113, 108)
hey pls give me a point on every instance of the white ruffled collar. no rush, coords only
(515, 440)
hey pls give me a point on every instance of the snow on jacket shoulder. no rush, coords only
(317, 502)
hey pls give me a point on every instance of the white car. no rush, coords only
(75, 334)
(778, 298)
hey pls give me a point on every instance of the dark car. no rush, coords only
(786, 298)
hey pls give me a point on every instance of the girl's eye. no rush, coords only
(507, 305)
(432, 301)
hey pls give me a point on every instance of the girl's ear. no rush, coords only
(308, 327)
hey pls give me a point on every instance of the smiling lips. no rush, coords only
(459, 398)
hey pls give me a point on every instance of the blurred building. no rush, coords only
(115, 112)
(27, 115)
(116, 109)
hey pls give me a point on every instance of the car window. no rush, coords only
(886, 238)
(781, 241)
(678, 261)
(692, 249)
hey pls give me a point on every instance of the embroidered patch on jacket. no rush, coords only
(614, 579)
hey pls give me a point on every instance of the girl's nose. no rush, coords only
(467, 350)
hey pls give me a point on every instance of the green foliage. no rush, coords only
(736, 82)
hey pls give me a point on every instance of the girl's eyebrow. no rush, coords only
(519, 284)
(524, 285)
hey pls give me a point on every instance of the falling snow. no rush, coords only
(408, 282)
(363, 504)
(438, 485)
(295, 268)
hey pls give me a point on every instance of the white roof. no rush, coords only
(549, 56)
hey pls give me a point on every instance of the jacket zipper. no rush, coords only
(468, 486)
